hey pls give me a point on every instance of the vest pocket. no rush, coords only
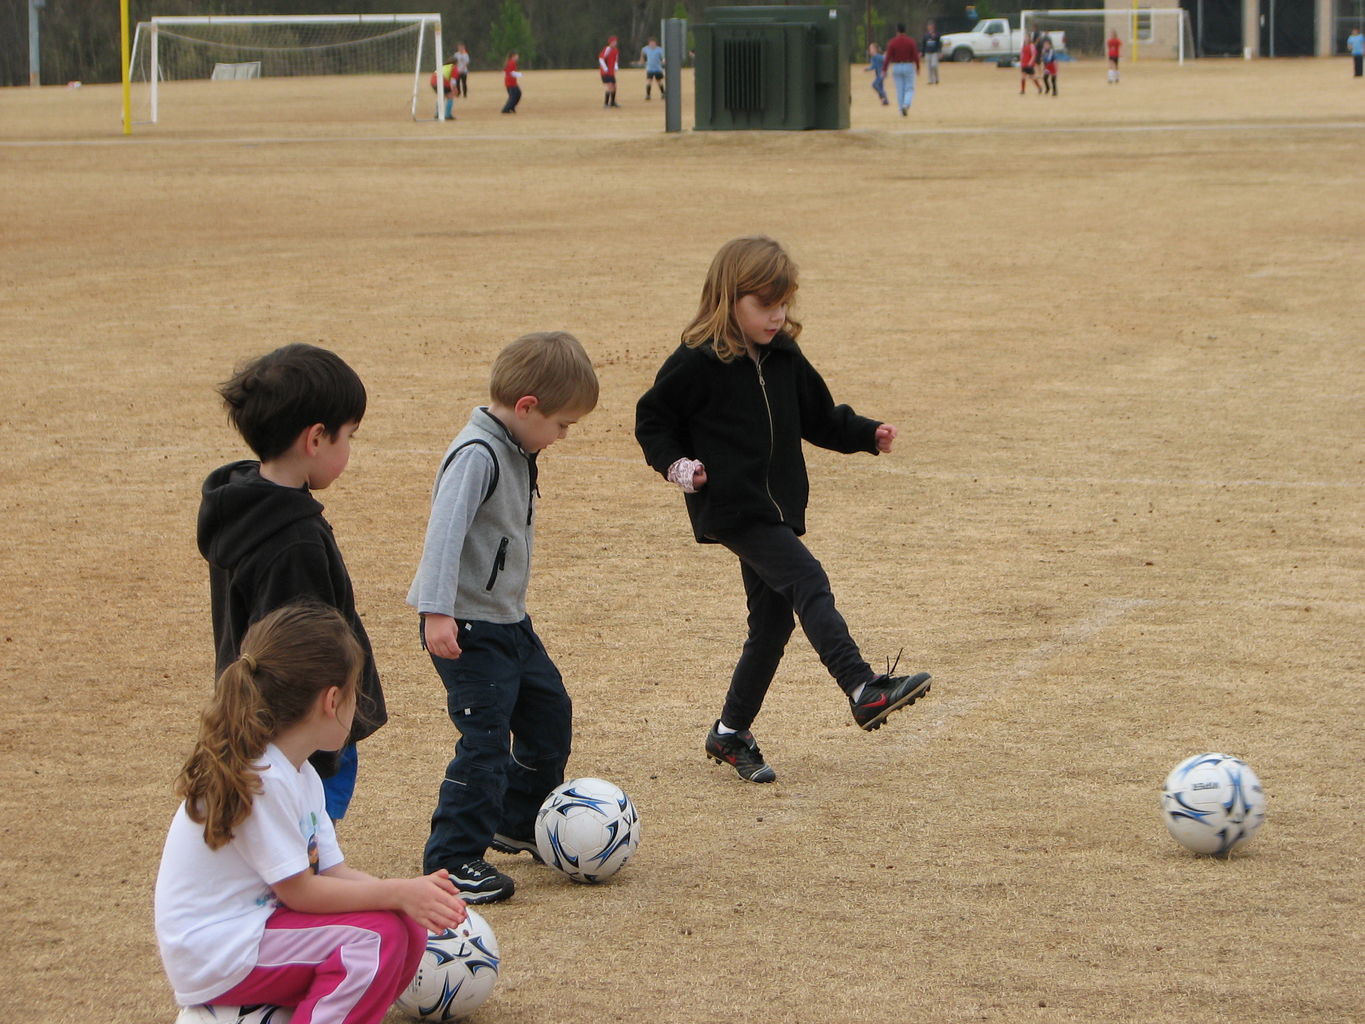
(499, 563)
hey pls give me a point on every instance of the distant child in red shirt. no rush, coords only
(1047, 57)
(606, 63)
(1112, 47)
(1028, 57)
(511, 78)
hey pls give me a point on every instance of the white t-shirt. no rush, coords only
(212, 905)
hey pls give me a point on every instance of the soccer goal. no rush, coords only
(1156, 33)
(183, 48)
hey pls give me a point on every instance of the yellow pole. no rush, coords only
(127, 84)
(1134, 30)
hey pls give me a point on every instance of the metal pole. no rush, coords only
(126, 72)
(34, 6)
(154, 75)
(674, 33)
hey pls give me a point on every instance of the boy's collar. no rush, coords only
(506, 430)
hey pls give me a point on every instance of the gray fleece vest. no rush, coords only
(476, 561)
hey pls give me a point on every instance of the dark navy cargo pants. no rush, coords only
(515, 719)
(782, 577)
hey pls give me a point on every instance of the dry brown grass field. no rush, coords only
(1120, 333)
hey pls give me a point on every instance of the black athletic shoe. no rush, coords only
(885, 694)
(480, 882)
(506, 844)
(740, 750)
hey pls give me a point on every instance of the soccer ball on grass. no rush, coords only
(587, 828)
(1212, 803)
(208, 1014)
(456, 974)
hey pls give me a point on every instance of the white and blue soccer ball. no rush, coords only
(587, 828)
(1212, 803)
(260, 1014)
(457, 973)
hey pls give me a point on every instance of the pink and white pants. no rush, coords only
(333, 968)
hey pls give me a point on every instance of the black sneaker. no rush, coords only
(885, 694)
(506, 844)
(740, 750)
(480, 882)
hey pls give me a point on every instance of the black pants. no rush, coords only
(1358, 61)
(782, 577)
(515, 720)
(513, 98)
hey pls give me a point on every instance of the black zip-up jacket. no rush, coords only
(266, 546)
(745, 420)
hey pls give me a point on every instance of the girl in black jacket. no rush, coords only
(724, 420)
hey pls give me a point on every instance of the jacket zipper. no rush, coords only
(772, 437)
(499, 563)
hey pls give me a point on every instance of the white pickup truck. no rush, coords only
(992, 39)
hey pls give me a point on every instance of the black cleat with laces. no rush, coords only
(480, 882)
(885, 694)
(740, 751)
(509, 844)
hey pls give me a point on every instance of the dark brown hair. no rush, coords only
(273, 398)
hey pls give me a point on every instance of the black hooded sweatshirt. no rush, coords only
(266, 546)
(745, 420)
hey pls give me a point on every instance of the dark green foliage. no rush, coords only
(80, 38)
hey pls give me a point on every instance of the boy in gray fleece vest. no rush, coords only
(504, 694)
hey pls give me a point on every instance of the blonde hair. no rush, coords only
(550, 365)
(288, 658)
(753, 265)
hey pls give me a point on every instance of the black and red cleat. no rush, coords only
(740, 751)
(885, 694)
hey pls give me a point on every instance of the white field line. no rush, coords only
(330, 140)
(967, 698)
(1010, 478)
(1096, 481)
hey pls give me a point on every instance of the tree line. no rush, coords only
(79, 39)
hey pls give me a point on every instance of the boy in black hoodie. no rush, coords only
(262, 531)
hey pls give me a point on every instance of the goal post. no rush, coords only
(189, 47)
(1147, 33)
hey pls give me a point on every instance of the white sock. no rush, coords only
(725, 730)
(858, 693)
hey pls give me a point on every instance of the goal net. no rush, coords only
(1147, 33)
(229, 47)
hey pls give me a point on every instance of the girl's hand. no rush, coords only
(440, 632)
(432, 901)
(689, 474)
(886, 434)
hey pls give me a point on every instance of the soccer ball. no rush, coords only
(587, 828)
(208, 1014)
(456, 974)
(1212, 803)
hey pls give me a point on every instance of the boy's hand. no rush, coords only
(432, 901)
(441, 633)
(886, 434)
(699, 478)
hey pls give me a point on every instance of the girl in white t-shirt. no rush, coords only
(254, 902)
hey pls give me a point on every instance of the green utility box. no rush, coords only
(778, 68)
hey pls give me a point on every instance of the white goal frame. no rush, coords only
(428, 22)
(1123, 15)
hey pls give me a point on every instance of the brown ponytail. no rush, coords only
(288, 658)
